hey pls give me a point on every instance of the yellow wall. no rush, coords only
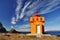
(34, 20)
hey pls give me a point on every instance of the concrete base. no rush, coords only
(38, 35)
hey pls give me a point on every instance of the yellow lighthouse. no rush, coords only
(37, 24)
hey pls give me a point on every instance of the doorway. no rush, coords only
(38, 29)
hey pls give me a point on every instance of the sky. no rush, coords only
(15, 13)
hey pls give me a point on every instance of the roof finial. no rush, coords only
(36, 14)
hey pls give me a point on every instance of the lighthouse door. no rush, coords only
(38, 29)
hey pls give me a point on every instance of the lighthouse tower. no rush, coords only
(37, 24)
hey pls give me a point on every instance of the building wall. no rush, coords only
(37, 20)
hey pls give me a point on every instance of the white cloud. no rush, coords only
(33, 4)
(13, 21)
(52, 28)
(12, 27)
(46, 8)
(26, 19)
(23, 10)
(53, 25)
(33, 8)
(50, 6)
(37, 4)
(24, 27)
(19, 5)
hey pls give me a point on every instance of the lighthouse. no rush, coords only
(37, 24)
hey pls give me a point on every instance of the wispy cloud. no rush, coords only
(42, 7)
(33, 4)
(50, 7)
(23, 10)
(48, 27)
(53, 28)
(13, 21)
(53, 24)
(19, 5)
(24, 27)
(30, 7)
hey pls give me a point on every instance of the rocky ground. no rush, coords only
(12, 36)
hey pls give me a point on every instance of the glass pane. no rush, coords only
(40, 18)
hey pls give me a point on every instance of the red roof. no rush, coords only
(36, 14)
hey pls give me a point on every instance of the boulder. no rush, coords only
(2, 29)
(13, 31)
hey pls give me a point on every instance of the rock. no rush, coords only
(13, 31)
(2, 29)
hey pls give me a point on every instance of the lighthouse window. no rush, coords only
(32, 18)
(40, 18)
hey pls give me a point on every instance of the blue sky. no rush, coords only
(17, 12)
